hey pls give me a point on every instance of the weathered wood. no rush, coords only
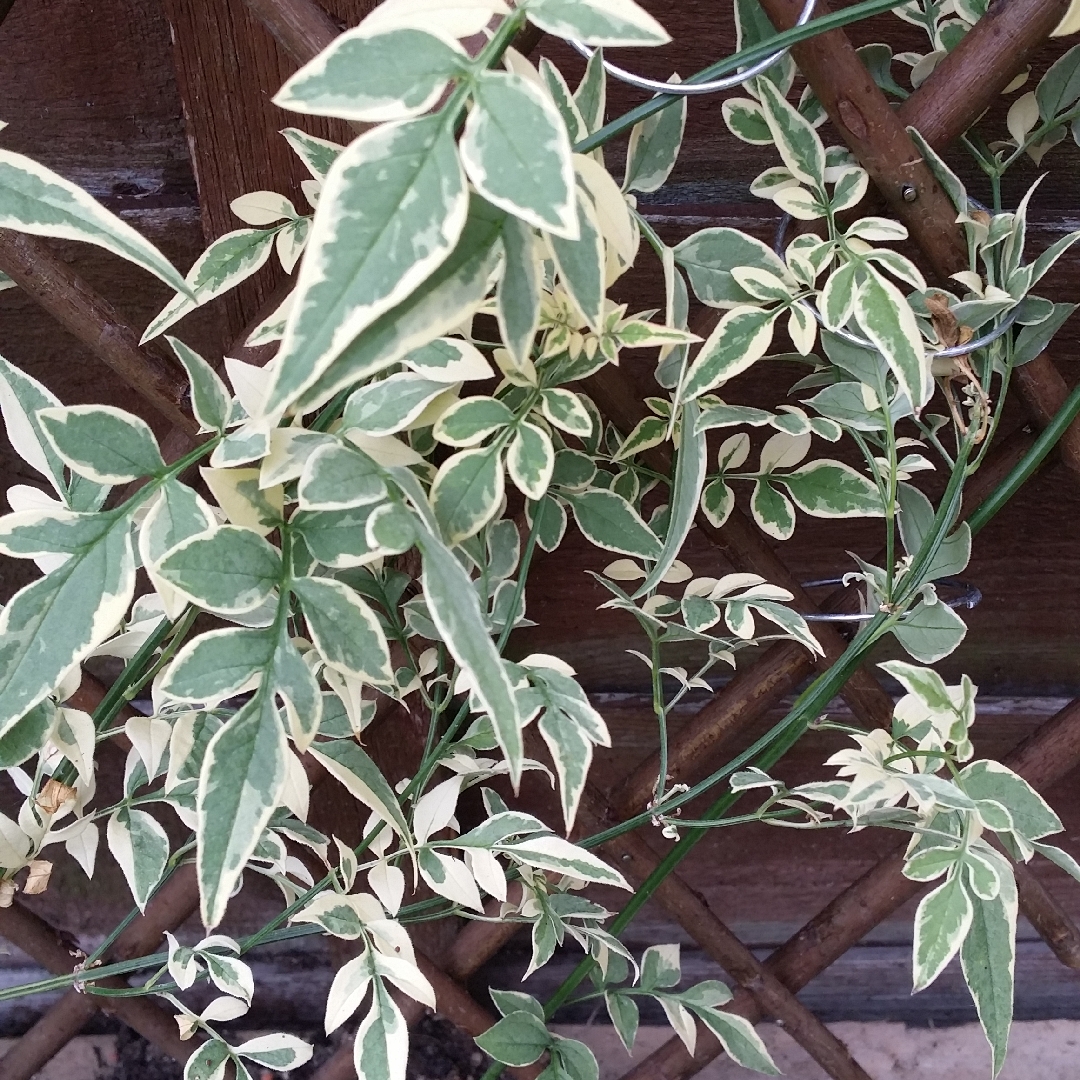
(95, 322)
(228, 68)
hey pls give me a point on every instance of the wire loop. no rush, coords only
(689, 88)
(970, 596)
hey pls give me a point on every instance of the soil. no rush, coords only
(438, 1051)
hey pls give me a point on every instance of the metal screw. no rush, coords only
(909, 193)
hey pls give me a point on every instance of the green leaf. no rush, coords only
(573, 1059)
(648, 432)
(845, 403)
(508, 1001)
(177, 514)
(916, 520)
(391, 404)
(346, 761)
(564, 100)
(739, 1039)
(887, 320)
(660, 967)
(210, 401)
(30, 533)
(208, 1062)
(242, 777)
(838, 298)
(470, 421)
(338, 477)
(1059, 88)
(348, 990)
(374, 77)
(467, 491)
(610, 522)
(230, 259)
(455, 610)
(831, 489)
(337, 538)
(941, 922)
(717, 502)
(449, 360)
(517, 1039)
(580, 264)
(295, 683)
(56, 621)
(930, 631)
(518, 292)
(33, 199)
(1032, 816)
(690, 468)
(21, 399)
(772, 511)
(344, 629)
(925, 683)
(931, 863)
(217, 664)
(530, 461)
(391, 210)
(278, 1051)
(102, 443)
(316, 154)
(710, 255)
(27, 735)
(230, 570)
(565, 410)
(591, 95)
(571, 751)
(551, 526)
(449, 295)
(510, 119)
(739, 340)
(796, 140)
(598, 22)
(654, 148)
(745, 119)
(1032, 340)
(559, 855)
(624, 1015)
(140, 846)
(381, 1048)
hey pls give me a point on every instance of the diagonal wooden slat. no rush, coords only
(51, 283)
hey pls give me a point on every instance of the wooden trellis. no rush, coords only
(959, 90)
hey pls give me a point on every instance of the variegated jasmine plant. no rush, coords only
(351, 541)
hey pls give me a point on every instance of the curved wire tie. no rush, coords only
(862, 343)
(686, 89)
(970, 597)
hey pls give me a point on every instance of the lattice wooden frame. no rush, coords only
(959, 91)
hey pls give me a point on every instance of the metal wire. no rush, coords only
(970, 596)
(862, 343)
(686, 89)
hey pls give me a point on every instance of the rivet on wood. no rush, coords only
(909, 193)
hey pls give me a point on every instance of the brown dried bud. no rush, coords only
(54, 796)
(37, 881)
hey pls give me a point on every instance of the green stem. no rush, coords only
(661, 714)
(1028, 463)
